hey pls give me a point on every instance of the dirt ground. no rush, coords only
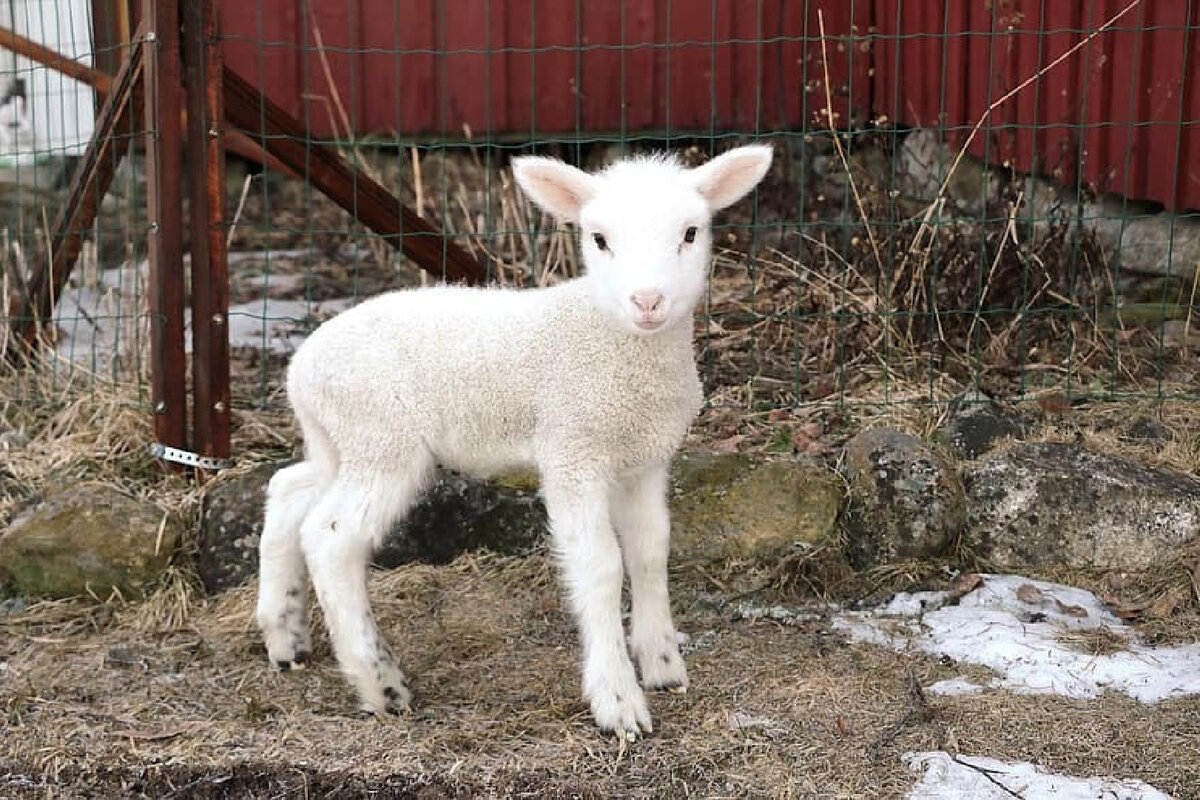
(159, 700)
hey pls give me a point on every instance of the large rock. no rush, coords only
(456, 515)
(723, 507)
(1050, 503)
(905, 501)
(976, 424)
(922, 163)
(746, 507)
(84, 538)
(231, 525)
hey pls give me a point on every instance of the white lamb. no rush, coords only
(592, 382)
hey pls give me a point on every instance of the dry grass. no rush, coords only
(777, 709)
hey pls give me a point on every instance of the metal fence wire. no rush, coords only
(996, 195)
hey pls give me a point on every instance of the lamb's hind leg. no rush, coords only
(282, 601)
(338, 537)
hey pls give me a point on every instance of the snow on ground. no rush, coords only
(98, 321)
(1040, 637)
(943, 777)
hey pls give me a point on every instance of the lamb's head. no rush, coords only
(644, 225)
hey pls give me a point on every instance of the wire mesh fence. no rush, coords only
(981, 195)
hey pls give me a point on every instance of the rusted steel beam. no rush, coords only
(114, 130)
(286, 138)
(210, 270)
(164, 184)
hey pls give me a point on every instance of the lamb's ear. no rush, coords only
(731, 175)
(557, 187)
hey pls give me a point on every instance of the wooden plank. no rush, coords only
(164, 184)
(210, 269)
(350, 188)
(104, 152)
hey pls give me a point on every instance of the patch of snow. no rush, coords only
(954, 686)
(1016, 627)
(944, 778)
(99, 321)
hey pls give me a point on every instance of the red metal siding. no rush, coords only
(545, 66)
(1121, 113)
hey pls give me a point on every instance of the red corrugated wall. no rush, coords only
(1122, 113)
(542, 66)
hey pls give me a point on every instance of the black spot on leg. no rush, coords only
(293, 593)
(666, 659)
(390, 693)
(618, 698)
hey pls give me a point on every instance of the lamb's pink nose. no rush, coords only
(647, 302)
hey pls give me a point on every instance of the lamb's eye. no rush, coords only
(600, 241)
(689, 235)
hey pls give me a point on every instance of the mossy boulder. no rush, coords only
(724, 507)
(744, 507)
(905, 501)
(85, 538)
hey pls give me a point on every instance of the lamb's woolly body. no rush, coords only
(592, 382)
(495, 379)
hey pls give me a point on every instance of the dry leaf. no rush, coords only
(816, 449)
(1122, 609)
(729, 445)
(1164, 606)
(812, 430)
(1079, 612)
(779, 415)
(1054, 404)
(966, 583)
(1028, 593)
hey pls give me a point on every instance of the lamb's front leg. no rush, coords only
(643, 522)
(591, 564)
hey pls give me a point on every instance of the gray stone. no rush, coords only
(231, 525)
(724, 507)
(458, 515)
(1049, 504)
(85, 538)
(922, 163)
(905, 501)
(455, 515)
(976, 424)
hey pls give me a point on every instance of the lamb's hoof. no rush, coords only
(664, 671)
(624, 714)
(297, 662)
(289, 647)
(388, 693)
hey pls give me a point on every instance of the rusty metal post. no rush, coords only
(204, 78)
(164, 185)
